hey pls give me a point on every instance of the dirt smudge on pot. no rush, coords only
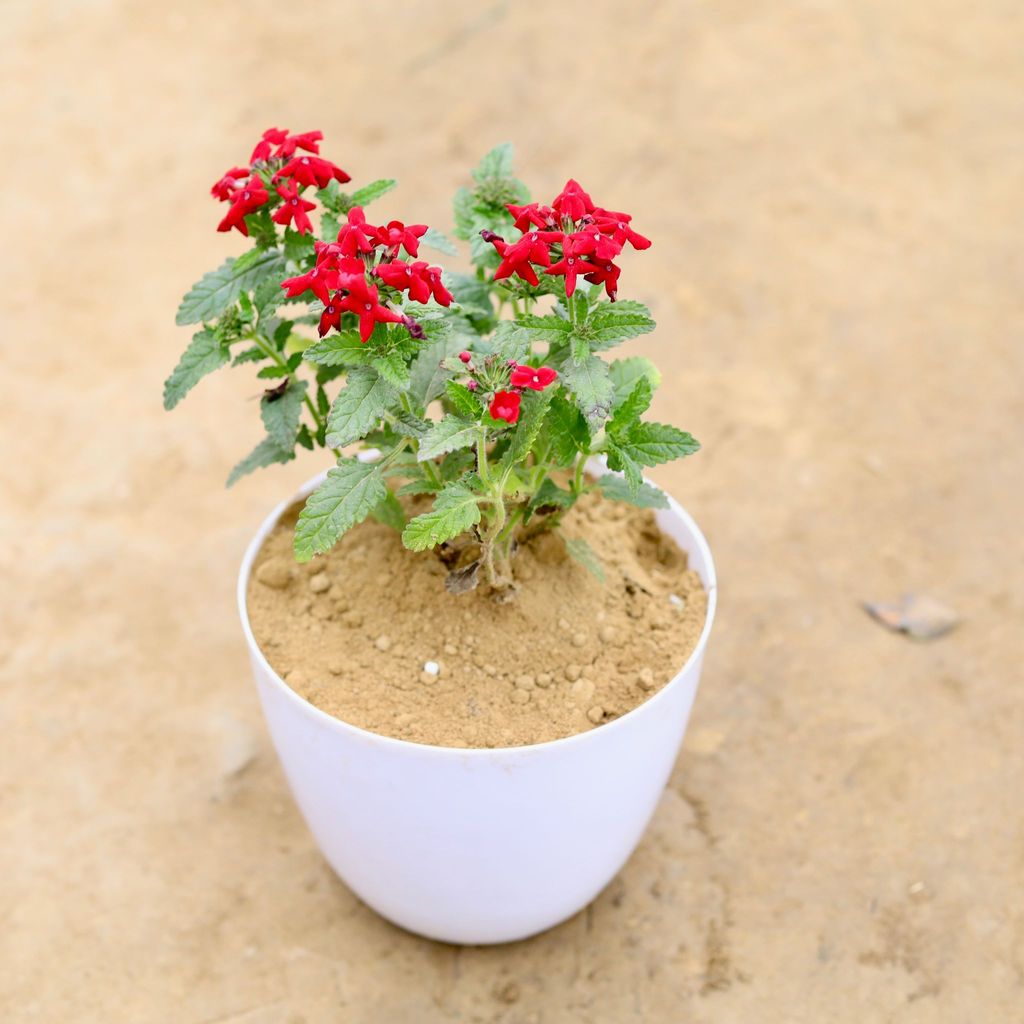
(354, 630)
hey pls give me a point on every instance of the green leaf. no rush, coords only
(249, 355)
(266, 453)
(509, 341)
(464, 403)
(455, 511)
(281, 413)
(567, 431)
(298, 245)
(359, 405)
(579, 351)
(610, 323)
(592, 388)
(428, 375)
(341, 349)
(472, 294)
(463, 205)
(272, 372)
(553, 329)
(267, 297)
(495, 164)
(583, 553)
(391, 366)
(203, 355)
(368, 193)
(617, 489)
(626, 372)
(534, 407)
(389, 511)
(550, 496)
(352, 490)
(409, 425)
(218, 289)
(630, 411)
(622, 461)
(447, 435)
(434, 239)
(653, 443)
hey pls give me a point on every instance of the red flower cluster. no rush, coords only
(340, 278)
(585, 238)
(245, 187)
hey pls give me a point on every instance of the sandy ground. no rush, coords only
(834, 190)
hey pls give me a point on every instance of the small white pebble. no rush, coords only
(676, 600)
(544, 679)
(579, 639)
(431, 668)
(572, 672)
(320, 583)
(596, 713)
(607, 634)
(383, 643)
(645, 679)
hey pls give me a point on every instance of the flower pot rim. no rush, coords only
(337, 724)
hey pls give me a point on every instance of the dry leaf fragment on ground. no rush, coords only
(919, 616)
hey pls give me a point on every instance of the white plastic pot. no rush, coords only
(479, 846)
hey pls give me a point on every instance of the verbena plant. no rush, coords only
(488, 391)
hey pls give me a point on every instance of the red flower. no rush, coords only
(319, 281)
(356, 235)
(295, 209)
(531, 214)
(404, 277)
(248, 198)
(397, 234)
(505, 406)
(534, 247)
(572, 263)
(270, 138)
(312, 170)
(596, 244)
(363, 300)
(606, 273)
(617, 225)
(226, 187)
(534, 378)
(331, 316)
(572, 201)
(304, 140)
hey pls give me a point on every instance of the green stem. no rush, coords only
(577, 480)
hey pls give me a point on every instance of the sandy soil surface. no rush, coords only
(834, 191)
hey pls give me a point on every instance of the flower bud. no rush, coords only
(415, 329)
(472, 385)
(490, 236)
(465, 357)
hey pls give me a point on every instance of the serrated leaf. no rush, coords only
(579, 349)
(203, 355)
(627, 414)
(267, 297)
(463, 402)
(218, 289)
(368, 193)
(455, 511)
(645, 496)
(281, 413)
(583, 553)
(509, 341)
(626, 372)
(550, 495)
(472, 294)
(591, 386)
(419, 486)
(389, 511)
(249, 355)
(448, 435)
(359, 405)
(567, 431)
(610, 323)
(427, 375)
(553, 329)
(391, 366)
(352, 490)
(531, 417)
(298, 245)
(272, 372)
(409, 425)
(653, 443)
(266, 453)
(495, 164)
(622, 461)
(463, 205)
(434, 239)
(341, 349)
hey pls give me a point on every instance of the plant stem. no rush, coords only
(577, 480)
